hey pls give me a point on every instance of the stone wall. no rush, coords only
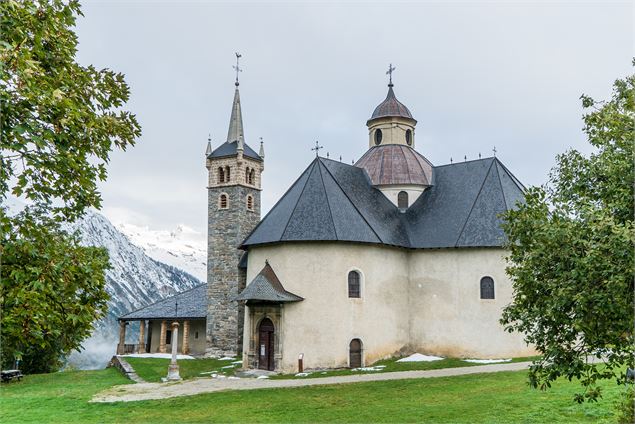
(227, 229)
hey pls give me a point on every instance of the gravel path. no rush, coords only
(147, 391)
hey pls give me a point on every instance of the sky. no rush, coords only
(475, 75)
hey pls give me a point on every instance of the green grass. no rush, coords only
(391, 365)
(479, 398)
(153, 369)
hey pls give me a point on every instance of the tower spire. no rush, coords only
(236, 132)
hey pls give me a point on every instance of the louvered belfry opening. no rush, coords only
(355, 353)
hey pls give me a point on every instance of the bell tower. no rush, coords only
(234, 185)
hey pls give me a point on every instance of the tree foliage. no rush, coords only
(52, 290)
(59, 122)
(571, 254)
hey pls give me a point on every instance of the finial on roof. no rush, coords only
(317, 148)
(494, 150)
(451, 160)
(389, 73)
(327, 155)
(340, 158)
(465, 158)
(479, 155)
(261, 153)
(237, 68)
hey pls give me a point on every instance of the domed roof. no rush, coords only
(391, 107)
(396, 164)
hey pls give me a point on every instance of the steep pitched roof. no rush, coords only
(332, 201)
(192, 304)
(266, 287)
(230, 149)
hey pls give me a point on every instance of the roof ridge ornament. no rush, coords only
(389, 73)
(237, 67)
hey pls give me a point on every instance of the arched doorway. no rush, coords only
(355, 353)
(265, 345)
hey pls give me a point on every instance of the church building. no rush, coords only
(355, 263)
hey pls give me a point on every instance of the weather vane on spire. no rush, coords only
(389, 73)
(237, 67)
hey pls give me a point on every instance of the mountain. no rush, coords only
(183, 247)
(133, 281)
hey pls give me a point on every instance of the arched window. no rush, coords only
(221, 175)
(487, 288)
(409, 137)
(354, 284)
(378, 136)
(355, 353)
(247, 175)
(251, 176)
(250, 203)
(227, 174)
(222, 201)
(402, 200)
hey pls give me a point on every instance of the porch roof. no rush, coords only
(192, 304)
(266, 287)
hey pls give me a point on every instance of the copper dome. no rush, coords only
(396, 164)
(391, 107)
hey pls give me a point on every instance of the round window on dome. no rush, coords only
(409, 137)
(378, 136)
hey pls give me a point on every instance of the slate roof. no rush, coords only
(192, 304)
(391, 107)
(266, 287)
(229, 149)
(396, 164)
(333, 201)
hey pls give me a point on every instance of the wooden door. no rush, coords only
(266, 345)
(355, 353)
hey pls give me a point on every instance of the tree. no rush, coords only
(52, 291)
(571, 255)
(59, 123)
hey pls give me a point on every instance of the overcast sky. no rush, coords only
(474, 74)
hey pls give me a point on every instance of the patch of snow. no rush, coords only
(418, 357)
(486, 361)
(227, 358)
(157, 355)
(208, 372)
(303, 374)
(237, 362)
(228, 366)
(233, 378)
(378, 368)
(262, 377)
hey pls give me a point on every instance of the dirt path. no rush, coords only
(147, 391)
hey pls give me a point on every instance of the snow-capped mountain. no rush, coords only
(183, 247)
(134, 279)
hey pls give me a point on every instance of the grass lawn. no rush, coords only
(391, 365)
(483, 398)
(153, 369)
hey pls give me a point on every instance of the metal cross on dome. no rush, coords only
(237, 66)
(317, 148)
(389, 73)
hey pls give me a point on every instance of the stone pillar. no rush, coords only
(122, 337)
(142, 336)
(164, 331)
(173, 369)
(185, 349)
